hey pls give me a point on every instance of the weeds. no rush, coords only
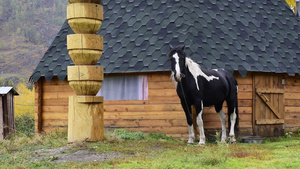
(25, 124)
(123, 134)
(140, 150)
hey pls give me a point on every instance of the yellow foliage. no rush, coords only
(24, 103)
(292, 4)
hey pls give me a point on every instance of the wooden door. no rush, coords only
(268, 105)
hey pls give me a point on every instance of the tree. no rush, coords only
(13, 44)
(9, 83)
(2, 82)
(24, 103)
(292, 4)
(3, 45)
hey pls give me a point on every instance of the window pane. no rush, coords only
(124, 88)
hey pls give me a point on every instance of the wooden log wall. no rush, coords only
(162, 111)
(7, 115)
(292, 103)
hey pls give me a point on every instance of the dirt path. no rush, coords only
(62, 155)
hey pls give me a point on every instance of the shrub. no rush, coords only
(126, 135)
(25, 124)
(160, 136)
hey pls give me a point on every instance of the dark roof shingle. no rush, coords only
(236, 35)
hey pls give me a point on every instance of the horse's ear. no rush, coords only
(183, 48)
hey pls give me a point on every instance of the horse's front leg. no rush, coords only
(199, 110)
(187, 109)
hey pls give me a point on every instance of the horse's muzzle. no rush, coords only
(179, 77)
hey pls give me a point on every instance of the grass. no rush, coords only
(140, 150)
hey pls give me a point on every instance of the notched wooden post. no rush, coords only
(85, 118)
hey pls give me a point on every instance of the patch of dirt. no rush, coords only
(60, 155)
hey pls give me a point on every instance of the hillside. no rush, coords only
(27, 28)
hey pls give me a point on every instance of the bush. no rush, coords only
(160, 136)
(126, 135)
(25, 124)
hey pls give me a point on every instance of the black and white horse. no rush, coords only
(204, 87)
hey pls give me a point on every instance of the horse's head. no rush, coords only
(177, 56)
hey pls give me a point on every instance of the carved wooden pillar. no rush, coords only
(85, 118)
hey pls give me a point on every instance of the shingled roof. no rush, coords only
(237, 35)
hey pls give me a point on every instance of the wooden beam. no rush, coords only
(270, 90)
(270, 121)
(38, 105)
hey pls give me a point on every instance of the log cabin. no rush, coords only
(258, 41)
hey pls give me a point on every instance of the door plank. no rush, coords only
(270, 121)
(267, 102)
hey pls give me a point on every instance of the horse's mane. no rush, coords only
(192, 66)
(196, 71)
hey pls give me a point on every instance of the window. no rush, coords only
(133, 87)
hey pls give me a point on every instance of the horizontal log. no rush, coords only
(292, 122)
(295, 96)
(142, 102)
(292, 89)
(55, 108)
(292, 116)
(245, 95)
(140, 108)
(292, 109)
(161, 85)
(159, 77)
(56, 122)
(163, 93)
(57, 88)
(293, 81)
(58, 95)
(56, 102)
(292, 103)
(145, 123)
(270, 121)
(245, 88)
(163, 99)
(55, 116)
(243, 80)
(144, 115)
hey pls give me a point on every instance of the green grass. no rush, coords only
(140, 150)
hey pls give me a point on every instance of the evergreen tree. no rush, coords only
(2, 82)
(3, 45)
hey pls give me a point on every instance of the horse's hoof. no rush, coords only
(201, 144)
(190, 143)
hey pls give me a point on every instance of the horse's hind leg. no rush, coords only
(223, 122)
(233, 116)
